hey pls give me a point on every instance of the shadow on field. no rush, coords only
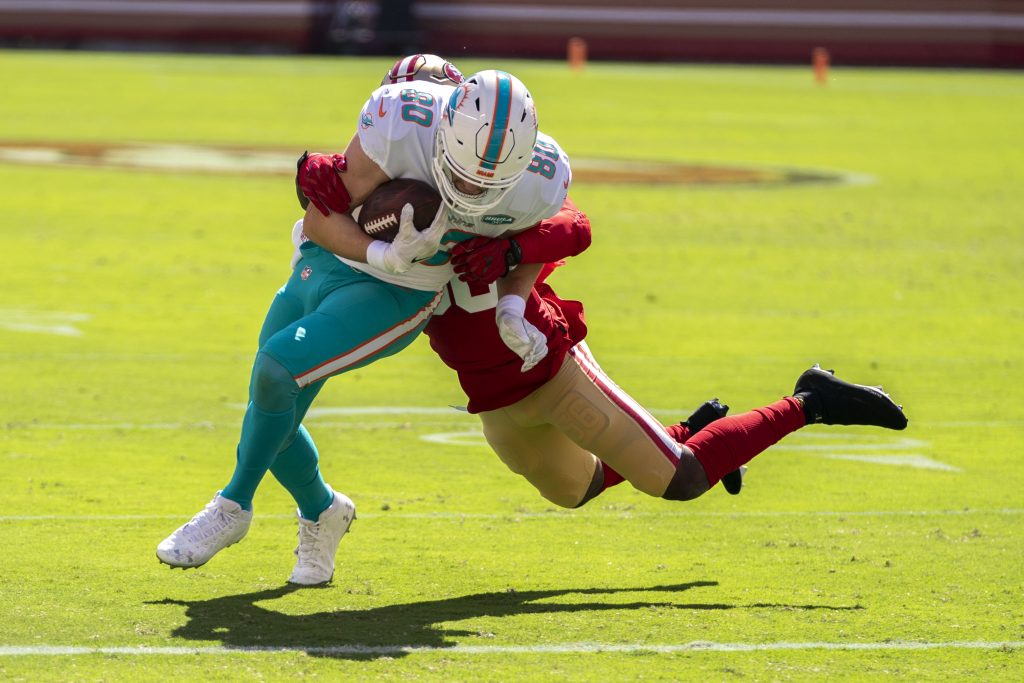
(396, 630)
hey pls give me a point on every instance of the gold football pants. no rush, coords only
(555, 436)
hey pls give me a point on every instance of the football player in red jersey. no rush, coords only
(550, 412)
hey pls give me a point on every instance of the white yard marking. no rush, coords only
(921, 462)
(881, 448)
(316, 412)
(876, 449)
(42, 322)
(562, 648)
(467, 438)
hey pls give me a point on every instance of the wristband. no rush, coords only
(376, 255)
(511, 304)
(514, 255)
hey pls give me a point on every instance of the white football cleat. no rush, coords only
(318, 542)
(221, 523)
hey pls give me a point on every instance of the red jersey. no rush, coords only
(464, 334)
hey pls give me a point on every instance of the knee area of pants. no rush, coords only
(562, 499)
(682, 491)
(689, 481)
(273, 387)
(651, 488)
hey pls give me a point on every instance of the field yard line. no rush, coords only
(564, 515)
(457, 415)
(564, 648)
(208, 426)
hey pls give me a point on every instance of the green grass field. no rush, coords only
(131, 300)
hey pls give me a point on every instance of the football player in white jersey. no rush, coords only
(550, 412)
(352, 299)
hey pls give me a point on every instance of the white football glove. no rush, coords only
(410, 244)
(518, 333)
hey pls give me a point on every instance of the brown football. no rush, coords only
(380, 213)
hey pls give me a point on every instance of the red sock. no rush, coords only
(611, 477)
(725, 444)
(679, 432)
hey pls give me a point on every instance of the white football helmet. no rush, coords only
(485, 138)
(423, 68)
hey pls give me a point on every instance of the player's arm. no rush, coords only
(565, 234)
(344, 184)
(519, 281)
(518, 333)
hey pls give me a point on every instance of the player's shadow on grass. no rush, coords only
(238, 621)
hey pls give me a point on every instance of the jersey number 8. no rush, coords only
(419, 109)
(544, 159)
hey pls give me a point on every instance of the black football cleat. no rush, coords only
(733, 482)
(708, 412)
(829, 400)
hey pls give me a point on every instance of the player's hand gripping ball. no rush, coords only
(380, 215)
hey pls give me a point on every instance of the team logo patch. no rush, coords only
(366, 120)
(456, 100)
(306, 272)
(453, 74)
(498, 219)
(456, 219)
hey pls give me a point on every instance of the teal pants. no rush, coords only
(327, 319)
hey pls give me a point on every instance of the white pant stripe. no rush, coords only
(369, 347)
(652, 427)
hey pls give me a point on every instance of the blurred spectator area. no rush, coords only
(911, 32)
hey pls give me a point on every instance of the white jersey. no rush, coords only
(396, 130)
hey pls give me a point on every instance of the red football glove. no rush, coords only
(317, 181)
(484, 260)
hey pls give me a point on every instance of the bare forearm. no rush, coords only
(520, 280)
(337, 233)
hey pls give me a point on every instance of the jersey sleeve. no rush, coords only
(565, 234)
(396, 129)
(545, 183)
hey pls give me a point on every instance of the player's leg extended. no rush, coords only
(593, 412)
(561, 471)
(224, 521)
(819, 396)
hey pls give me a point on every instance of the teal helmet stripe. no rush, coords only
(499, 122)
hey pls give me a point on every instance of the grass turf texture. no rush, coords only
(112, 438)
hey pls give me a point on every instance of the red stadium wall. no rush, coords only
(934, 32)
(924, 32)
(271, 24)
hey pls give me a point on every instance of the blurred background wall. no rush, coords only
(898, 32)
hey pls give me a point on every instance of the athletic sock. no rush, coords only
(679, 432)
(729, 442)
(297, 468)
(611, 477)
(263, 434)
